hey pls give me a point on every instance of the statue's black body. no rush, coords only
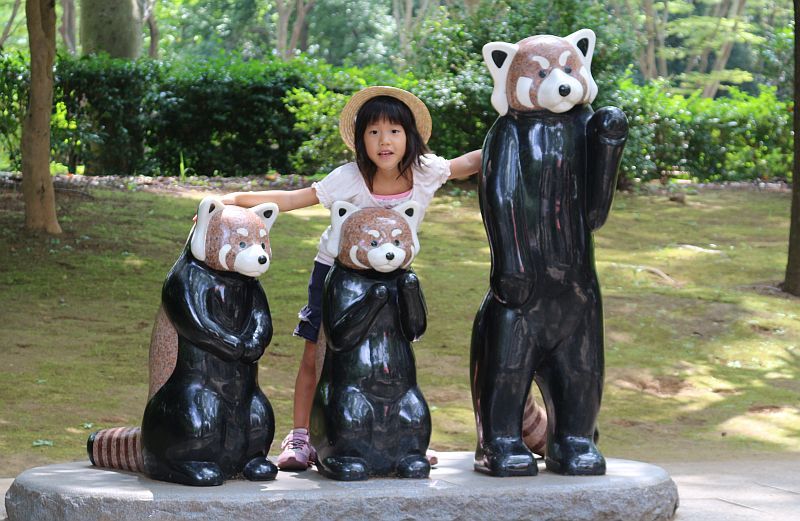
(369, 416)
(547, 183)
(210, 421)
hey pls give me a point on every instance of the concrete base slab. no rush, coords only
(77, 491)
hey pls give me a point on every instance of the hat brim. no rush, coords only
(347, 120)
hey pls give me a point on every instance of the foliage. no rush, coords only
(214, 28)
(317, 116)
(227, 114)
(139, 117)
(724, 139)
(352, 32)
(14, 79)
(773, 63)
(224, 117)
(454, 84)
(706, 45)
(104, 119)
(458, 106)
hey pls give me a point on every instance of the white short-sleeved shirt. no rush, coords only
(347, 184)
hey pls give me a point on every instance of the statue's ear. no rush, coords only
(267, 212)
(584, 40)
(412, 213)
(498, 57)
(207, 209)
(340, 211)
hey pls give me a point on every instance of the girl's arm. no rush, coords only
(286, 200)
(465, 166)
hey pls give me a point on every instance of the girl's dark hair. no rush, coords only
(396, 112)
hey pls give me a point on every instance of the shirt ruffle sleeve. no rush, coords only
(433, 172)
(342, 184)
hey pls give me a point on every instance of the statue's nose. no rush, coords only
(262, 259)
(390, 256)
(564, 90)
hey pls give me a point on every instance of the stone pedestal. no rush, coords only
(77, 491)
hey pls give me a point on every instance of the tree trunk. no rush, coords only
(406, 22)
(711, 89)
(10, 23)
(112, 26)
(294, 11)
(700, 61)
(37, 185)
(68, 26)
(149, 17)
(301, 11)
(648, 59)
(282, 37)
(791, 283)
(661, 37)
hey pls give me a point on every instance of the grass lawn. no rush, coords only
(702, 353)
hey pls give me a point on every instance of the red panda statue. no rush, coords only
(206, 418)
(549, 172)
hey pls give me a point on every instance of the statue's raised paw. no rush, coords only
(610, 123)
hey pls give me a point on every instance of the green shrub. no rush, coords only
(460, 109)
(249, 117)
(101, 119)
(317, 116)
(14, 79)
(226, 119)
(742, 137)
(732, 138)
(141, 117)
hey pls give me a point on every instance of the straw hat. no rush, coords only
(347, 120)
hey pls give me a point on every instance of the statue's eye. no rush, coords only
(263, 246)
(373, 243)
(568, 70)
(242, 245)
(396, 243)
(542, 73)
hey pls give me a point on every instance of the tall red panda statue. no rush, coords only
(549, 172)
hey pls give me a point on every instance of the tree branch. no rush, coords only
(724, 55)
(10, 23)
(149, 17)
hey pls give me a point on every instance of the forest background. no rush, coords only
(254, 87)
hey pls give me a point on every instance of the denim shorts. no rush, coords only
(311, 314)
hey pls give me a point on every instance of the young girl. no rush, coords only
(388, 129)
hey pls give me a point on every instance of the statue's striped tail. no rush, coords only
(534, 426)
(117, 448)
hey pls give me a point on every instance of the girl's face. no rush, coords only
(385, 143)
